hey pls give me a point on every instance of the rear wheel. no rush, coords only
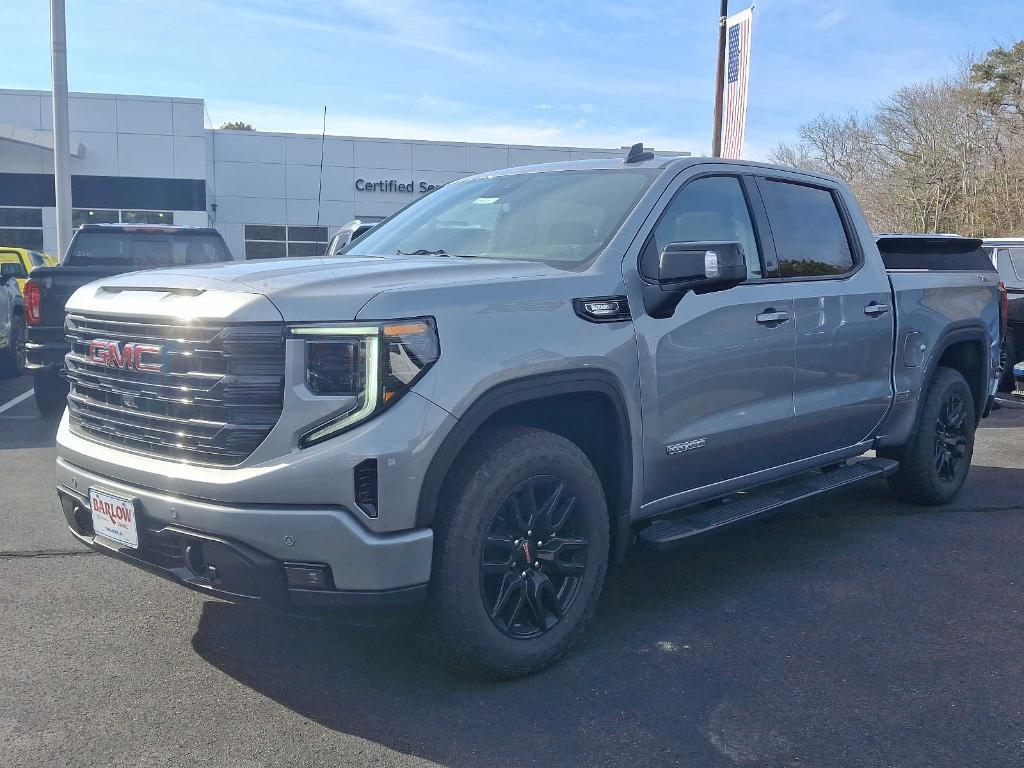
(935, 461)
(51, 391)
(520, 554)
(12, 362)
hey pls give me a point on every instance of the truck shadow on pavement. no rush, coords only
(750, 647)
(32, 431)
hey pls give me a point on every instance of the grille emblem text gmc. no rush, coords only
(128, 355)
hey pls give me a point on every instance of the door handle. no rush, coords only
(875, 309)
(771, 317)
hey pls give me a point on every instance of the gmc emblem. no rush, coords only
(129, 355)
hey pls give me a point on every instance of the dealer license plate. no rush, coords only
(113, 517)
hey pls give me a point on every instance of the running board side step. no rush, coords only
(668, 532)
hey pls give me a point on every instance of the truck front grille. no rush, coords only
(210, 395)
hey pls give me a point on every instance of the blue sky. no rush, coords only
(600, 73)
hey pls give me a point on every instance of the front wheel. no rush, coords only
(935, 461)
(521, 549)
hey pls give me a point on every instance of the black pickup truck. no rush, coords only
(99, 251)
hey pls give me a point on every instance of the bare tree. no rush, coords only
(942, 156)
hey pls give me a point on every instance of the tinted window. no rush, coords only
(144, 251)
(264, 232)
(147, 217)
(712, 208)
(22, 238)
(257, 249)
(80, 216)
(308, 234)
(808, 230)
(558, 216)
(21, 217)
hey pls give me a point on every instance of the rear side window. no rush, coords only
(809, 234)
(13, 269)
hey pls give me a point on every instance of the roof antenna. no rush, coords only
(637, 154)
(320, 185)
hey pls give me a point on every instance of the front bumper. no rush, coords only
(373, 578)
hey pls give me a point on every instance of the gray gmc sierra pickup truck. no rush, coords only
(476, 407)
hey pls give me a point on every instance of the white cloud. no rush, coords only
(576, 133)
(832, 18)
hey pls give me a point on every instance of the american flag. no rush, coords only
(734, 119)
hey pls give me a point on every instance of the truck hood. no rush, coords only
(301, 289)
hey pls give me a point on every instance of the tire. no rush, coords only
(12, 362)
(935, 461)
(1007, 359)
(487, 497)
(51, 392)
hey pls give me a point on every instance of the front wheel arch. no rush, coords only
(534, 401)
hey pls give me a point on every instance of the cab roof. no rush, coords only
(664, 163)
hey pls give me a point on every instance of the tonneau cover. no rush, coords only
(948, 253)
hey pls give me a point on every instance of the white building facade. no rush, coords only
(143, 159)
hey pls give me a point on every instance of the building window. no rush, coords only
(22, 228)
(147, 217)
(80, 216)
(307, 241)
(274, 241)
(265, 241)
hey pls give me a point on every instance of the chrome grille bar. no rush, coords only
(216, 395)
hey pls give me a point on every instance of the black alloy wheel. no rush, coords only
(950, 437)
(935, 460)
(521, 546)
(534, 558)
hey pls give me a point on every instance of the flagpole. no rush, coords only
(716, 134)
(61, 139)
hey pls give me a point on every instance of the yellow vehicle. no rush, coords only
(27, 260)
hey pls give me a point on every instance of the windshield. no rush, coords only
(564, 217)
(145, 250)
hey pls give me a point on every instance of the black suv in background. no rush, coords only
(98, 251)
(1007, 255)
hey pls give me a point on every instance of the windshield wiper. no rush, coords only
(438, 252)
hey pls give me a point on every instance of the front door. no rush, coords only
(717, 376)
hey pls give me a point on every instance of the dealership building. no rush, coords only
(147, 159)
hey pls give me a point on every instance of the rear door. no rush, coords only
(716, 376)
(843, 314)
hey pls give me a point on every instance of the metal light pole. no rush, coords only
(716, 135)
(61, 139)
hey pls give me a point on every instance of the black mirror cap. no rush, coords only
(700, 266)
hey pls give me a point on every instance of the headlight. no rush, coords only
(374, 364)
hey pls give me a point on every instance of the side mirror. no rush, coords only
(701, 266)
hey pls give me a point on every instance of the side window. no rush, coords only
(709, 208)
(13, 269)
(809, 234)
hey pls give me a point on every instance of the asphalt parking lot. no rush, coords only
(850, 632)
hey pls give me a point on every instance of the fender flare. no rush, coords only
(965, 330)
(515, 392)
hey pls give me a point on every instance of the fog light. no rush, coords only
(307, 576)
